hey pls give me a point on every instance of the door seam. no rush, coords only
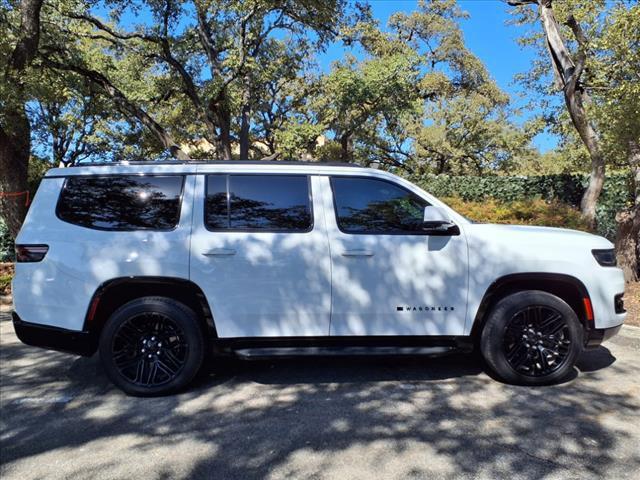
(323, 196)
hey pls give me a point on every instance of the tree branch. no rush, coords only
(581, 56)
(126, 105)
(101, 26)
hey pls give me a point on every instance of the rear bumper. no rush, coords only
(53, 338)
(598, 335)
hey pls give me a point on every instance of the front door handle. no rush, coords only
(219, 252)
(357, 253)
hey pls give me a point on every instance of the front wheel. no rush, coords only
(152, 346)
(531, 338)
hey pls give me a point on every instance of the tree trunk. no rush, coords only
(222, 117)
(568, 73)
(628, 235)
(245, 119)
(346, 147)
(15, 135)
(225, 138)
(14, 164)
(628, 243)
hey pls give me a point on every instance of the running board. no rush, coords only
(262, 352)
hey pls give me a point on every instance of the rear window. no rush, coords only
(271, 203)
(122, 202)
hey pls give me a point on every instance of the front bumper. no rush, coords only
(596, 336)
(54, 338)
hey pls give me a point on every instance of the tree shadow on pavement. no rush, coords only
(315, 418)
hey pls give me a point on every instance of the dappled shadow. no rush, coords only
(318, 418)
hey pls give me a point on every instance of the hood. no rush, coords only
(527, 235)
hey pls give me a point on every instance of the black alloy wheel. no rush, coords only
(531, 338)
(537, 341)
(152, 346)
(149, 349)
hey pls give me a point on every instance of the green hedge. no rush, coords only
(6, 244)
(566, 188)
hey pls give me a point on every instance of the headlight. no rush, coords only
(606, 258)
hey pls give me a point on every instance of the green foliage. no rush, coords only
(5, 284)
(564, 188)
(520, 212)
(6, 243)
(419, 98)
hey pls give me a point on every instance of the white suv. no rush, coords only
(156, 264)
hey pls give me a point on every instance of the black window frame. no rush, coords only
(365, 177)
(182, 177)
(253, 230)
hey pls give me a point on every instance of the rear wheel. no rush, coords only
(531, 338)
(152, 346)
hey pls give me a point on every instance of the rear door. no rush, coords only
(260, 253)
(389, 277)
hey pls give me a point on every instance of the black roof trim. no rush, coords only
(221, 162)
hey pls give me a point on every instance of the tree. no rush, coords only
(420, 100)
(568, 70)
(618, 76)
(216, 59)
(15, 129)
(71, 121)
(607, 41)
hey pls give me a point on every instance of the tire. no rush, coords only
(152, 346)
(531, 338)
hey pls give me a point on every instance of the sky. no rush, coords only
(488, 36)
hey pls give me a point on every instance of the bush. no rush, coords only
(521, 212)
(5, 284)
(6, 244)
(564, 189)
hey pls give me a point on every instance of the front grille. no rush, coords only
(619, 303)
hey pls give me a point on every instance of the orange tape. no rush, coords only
(17, 194)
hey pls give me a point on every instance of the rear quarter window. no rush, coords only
(122, 203)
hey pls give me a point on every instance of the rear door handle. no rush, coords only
(219, 252)
(357, 253)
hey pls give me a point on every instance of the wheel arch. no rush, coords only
(568, 288)
(114, 293)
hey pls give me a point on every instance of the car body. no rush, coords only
(288, 255)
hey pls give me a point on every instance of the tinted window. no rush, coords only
(366, 205)
(121, 202)
(258, 202)
(216, 212)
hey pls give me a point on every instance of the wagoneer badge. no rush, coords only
(425, 309)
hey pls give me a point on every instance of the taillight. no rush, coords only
(31, 253)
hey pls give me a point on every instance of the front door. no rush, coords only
(260, 253)
(389, 277)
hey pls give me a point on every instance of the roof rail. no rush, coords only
(219, 162)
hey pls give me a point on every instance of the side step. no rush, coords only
(263, 352)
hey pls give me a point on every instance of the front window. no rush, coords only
(373, 206)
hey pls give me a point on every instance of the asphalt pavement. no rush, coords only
(361, 418)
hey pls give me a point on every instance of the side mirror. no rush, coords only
(436, 222)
